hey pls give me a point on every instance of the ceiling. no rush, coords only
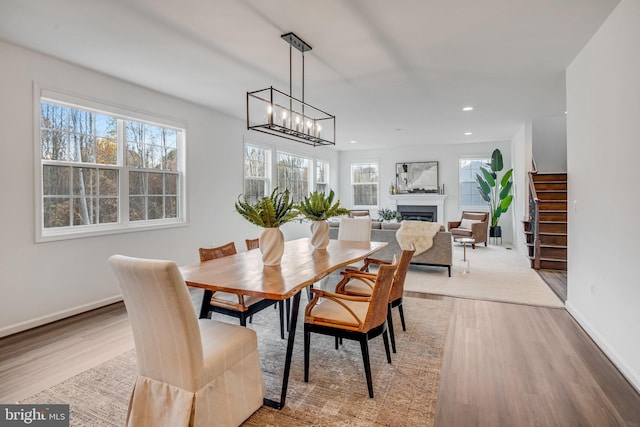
(394, 73)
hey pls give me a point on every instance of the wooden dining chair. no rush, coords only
(252, 243)
(361, 283)
(240, 306)
(190, 372)
(351, 317)
(353, 229)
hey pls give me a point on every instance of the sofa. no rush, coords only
(440, 254)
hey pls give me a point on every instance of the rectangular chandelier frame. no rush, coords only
(277, 113)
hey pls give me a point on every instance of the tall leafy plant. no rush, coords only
(268, 212)
(319, 206)
(494, 189)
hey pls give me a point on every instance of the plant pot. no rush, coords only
(271, 246)
(319, 234)
(495, 231)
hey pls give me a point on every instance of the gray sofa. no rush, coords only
(440, 254)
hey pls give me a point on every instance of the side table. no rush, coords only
(465, 262)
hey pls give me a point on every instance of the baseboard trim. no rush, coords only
(29, 324)
(619, 363)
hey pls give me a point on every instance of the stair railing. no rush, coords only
(534, 217)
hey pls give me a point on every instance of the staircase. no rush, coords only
(546, 228)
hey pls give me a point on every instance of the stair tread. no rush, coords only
(546, 245)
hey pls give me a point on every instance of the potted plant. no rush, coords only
(495, 190)
(318, 208)
(270, 213)
(389, 215)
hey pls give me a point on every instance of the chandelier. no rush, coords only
(277, 113)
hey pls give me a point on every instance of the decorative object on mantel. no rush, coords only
(270, 213)
(277, 113)
(319, 208)
(495, 191)
(417, 177)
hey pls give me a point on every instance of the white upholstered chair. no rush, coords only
(355, 229)
(190, 372)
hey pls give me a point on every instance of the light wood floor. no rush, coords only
(504, 365)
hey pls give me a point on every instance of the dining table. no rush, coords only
(301, 266)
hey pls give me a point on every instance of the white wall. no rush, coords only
(550, 144)
(603, 102)
(447, 156)
(521, 160)
(46, 281)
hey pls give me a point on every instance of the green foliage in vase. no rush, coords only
(320, 207)
(389, 215)
(495, 190)
(268, 212)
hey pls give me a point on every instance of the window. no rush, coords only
(257, 161)
(469, 194)
(322, 176)
(293, 174)
(364, 183)
(102, 172)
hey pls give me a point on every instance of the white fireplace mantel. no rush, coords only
(420, 199)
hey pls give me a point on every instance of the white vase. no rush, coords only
(320, 234)
(271, 246)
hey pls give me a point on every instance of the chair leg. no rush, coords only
(473, 246)
(337, 343)
(385, 338)
(307, 345)
(251, 319)
(364, 345)
(243, 320)
(391, 333)
(449, 268)
(308, 288)
(400, 309)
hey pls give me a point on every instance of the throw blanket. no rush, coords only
(420, 233)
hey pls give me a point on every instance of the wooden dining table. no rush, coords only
(301, 266)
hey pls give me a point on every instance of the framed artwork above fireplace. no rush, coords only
(417, 177)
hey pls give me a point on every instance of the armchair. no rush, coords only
(351, 317)
(472, 224)
(361, 283)
(239, 306)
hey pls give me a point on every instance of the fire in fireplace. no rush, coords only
(418, 213)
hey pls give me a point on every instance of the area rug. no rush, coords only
(496, 273)
(406, 391)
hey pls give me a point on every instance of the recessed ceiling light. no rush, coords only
(469, 108)
(353, 142)
(468, 133)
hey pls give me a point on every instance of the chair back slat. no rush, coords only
(207, 254)
(378, 306)
(397, 289)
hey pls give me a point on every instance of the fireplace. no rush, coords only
(422, 206)
(418, 213)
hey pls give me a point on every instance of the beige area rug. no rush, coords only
(405, 391)
(495, 274)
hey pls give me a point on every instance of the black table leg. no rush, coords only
(287, 363)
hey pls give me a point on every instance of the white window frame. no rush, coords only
(268, 166)
(480, 207)
(123, 224)
(327, 181)
(310, 174)
(353, 184)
